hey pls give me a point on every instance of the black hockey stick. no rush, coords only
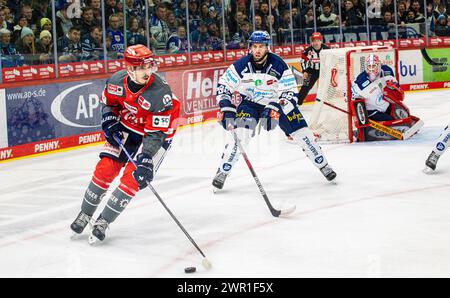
(274, 211)
(430, 61)
(206, 264)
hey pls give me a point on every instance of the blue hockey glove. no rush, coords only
(111, 128)
(144, 170)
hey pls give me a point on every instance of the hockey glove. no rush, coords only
(144, 170)
(270, 116)
(227, 114)
(111, 128)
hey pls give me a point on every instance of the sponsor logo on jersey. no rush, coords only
(295, 116)
(167, 100)
(319, 159)
(226, 167)
(115, 90)
(258, 83)
(366, 83)
(130, 108)
(440, 146)
(144, 103)
(161, 121)
(242, 114)
(270, 82)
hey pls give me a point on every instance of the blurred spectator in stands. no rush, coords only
(63, 22)
(180, 12)
(8, 18)
(270, 21)
(276, 12)
(172, 22)
(96, 9)
(199, 38)
(69, 46)
(178, 43)
(416, 7)
(158, 28)
(10, 57)
(351, 16)
(259, 23)
(327, 18)
(42, 9)
(204, 11)
(360, 6)
(234, 17)
(26, 47)
(91, 45)
(264, 12)
(284, 31)
(215, 43)
(388, 18)
(440, 9)
(411, 17)
(22, 22)
(441, 28)
(87, 20)
(212, 17)
(110, 8)
(27, 11)
(15, 6)
(115, 32)
(135, 34)
(402, 13)
(134, 8)
(374, 13)
(388, 5)
(3, 23)
(194, 15)
(244, 34)
(45, 24)
(44, 48)
(308, 20)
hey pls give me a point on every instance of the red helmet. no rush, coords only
(138, 55)
(316, 35)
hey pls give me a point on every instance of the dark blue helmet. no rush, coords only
(260, 37)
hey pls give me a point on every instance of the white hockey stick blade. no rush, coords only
(206, 264)
(429, 171)
(413, 130)
(288, 211)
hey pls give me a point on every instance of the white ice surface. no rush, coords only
(383, 218)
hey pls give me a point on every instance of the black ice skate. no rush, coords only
(219, 180)
(431, 162)
(328, 172)
(98, 232)
(79, 224)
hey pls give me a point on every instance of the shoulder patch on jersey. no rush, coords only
(114, 89)
(144, 103)
(366, 83)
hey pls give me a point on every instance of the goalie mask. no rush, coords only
(140, 63)
(373, 67)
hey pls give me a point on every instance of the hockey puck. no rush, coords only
(190, 269)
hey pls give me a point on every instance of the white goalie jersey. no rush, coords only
(372, 92)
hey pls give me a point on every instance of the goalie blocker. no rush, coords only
(402, 125)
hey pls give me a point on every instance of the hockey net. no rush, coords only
(331, 119)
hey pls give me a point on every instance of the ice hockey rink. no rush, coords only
(384, 217)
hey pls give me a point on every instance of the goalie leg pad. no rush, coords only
(305, 139)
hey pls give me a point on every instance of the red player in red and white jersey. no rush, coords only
(138, 107)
